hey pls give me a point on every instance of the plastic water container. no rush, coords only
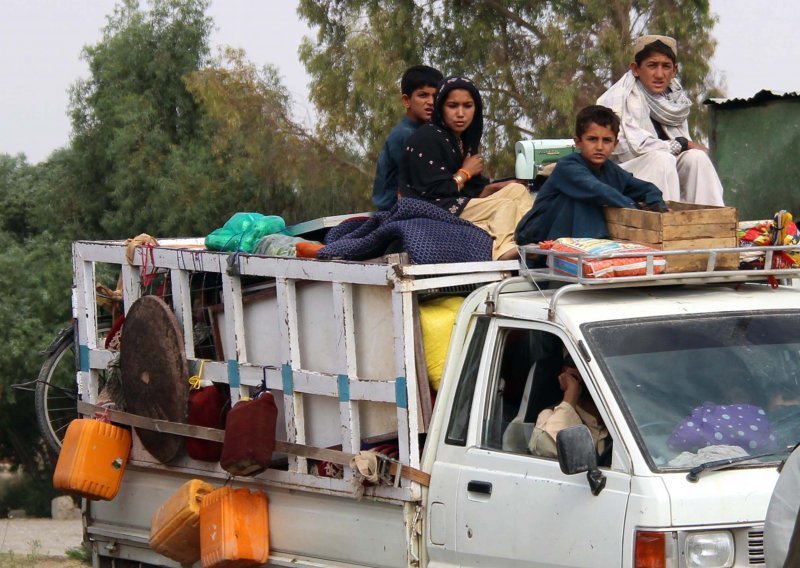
(92, 459)
(205, 409)
(249, 436)
(234, 528)
(175, 526)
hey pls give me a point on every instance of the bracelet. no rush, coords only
(678, 145)
(467, 175)
(459, 179)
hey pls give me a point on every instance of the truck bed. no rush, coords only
(338, 344)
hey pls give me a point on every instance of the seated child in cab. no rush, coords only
(571, 201)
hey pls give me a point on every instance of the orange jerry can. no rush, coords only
(234, 528)
(175, 526)
(92, 459)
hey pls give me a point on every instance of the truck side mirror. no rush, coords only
(577, 453)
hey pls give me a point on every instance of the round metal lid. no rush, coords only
(155, 372)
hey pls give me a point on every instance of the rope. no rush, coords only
(195, 380)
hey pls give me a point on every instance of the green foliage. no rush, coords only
(33, 495)
(81, 553)
(132, 114)
(35, 276)
(537, 62)
(255, 156)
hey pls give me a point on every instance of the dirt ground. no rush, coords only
(39, 542)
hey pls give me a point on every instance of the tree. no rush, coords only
(133, 111)
(255, 155)
(536, 61)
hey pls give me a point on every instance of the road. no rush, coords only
(39, 537)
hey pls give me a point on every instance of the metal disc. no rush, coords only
(155, 372)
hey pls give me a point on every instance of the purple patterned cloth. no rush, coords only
(428, 233)
(743, 425)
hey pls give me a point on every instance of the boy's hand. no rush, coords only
(697, 146)
(658, 207)
(473, 164)
(571, 384)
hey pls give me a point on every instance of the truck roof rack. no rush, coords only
(538, 265)
(710, 274)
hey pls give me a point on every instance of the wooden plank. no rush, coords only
(702, 214)
(681, 214)
(699, 262)
(293, 404)
(691, 244)
(648, 220)
(634, 234)
(423, 382)
(698, 231)
(182, 306)
(216, 435)
(235, 344)
(349, 417)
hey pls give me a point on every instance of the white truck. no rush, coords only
(339, 345)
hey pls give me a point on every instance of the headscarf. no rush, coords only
(471, 137)
(670, 108)
(432, 155)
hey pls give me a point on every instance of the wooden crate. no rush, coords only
(687, 226)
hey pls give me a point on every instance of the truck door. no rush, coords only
(507, 506)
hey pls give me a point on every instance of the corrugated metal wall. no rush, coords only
(756, 148)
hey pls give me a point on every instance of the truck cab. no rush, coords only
(658, 361)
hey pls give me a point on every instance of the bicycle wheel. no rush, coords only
(56, 397)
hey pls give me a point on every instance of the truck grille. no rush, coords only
(755, 547)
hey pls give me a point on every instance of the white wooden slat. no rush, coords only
(250, 265)
(131, 287)
(85, 312)
(403, 438)
(294, 410)
(459, 268)
(412, 390)
(346, 366)
(284, 479)
(452, 280)
(182, 306)
(305, 382)
(235, 347)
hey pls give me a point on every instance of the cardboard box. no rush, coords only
(687, 226)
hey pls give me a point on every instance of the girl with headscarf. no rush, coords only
(442, 164)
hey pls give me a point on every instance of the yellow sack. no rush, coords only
(437, 318)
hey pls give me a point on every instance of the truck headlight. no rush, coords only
(709, 549)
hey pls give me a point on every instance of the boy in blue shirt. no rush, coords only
(571, 201)
(418, 86)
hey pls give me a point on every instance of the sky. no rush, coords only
(41, 43)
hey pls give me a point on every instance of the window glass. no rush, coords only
(526, 383)
(705, 388)
(462, 403)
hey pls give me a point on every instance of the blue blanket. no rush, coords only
(428, 233)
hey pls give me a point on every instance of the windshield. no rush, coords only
(705, 388)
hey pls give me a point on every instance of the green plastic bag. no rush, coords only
(243, 231)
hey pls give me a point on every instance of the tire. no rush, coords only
(56, 396)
